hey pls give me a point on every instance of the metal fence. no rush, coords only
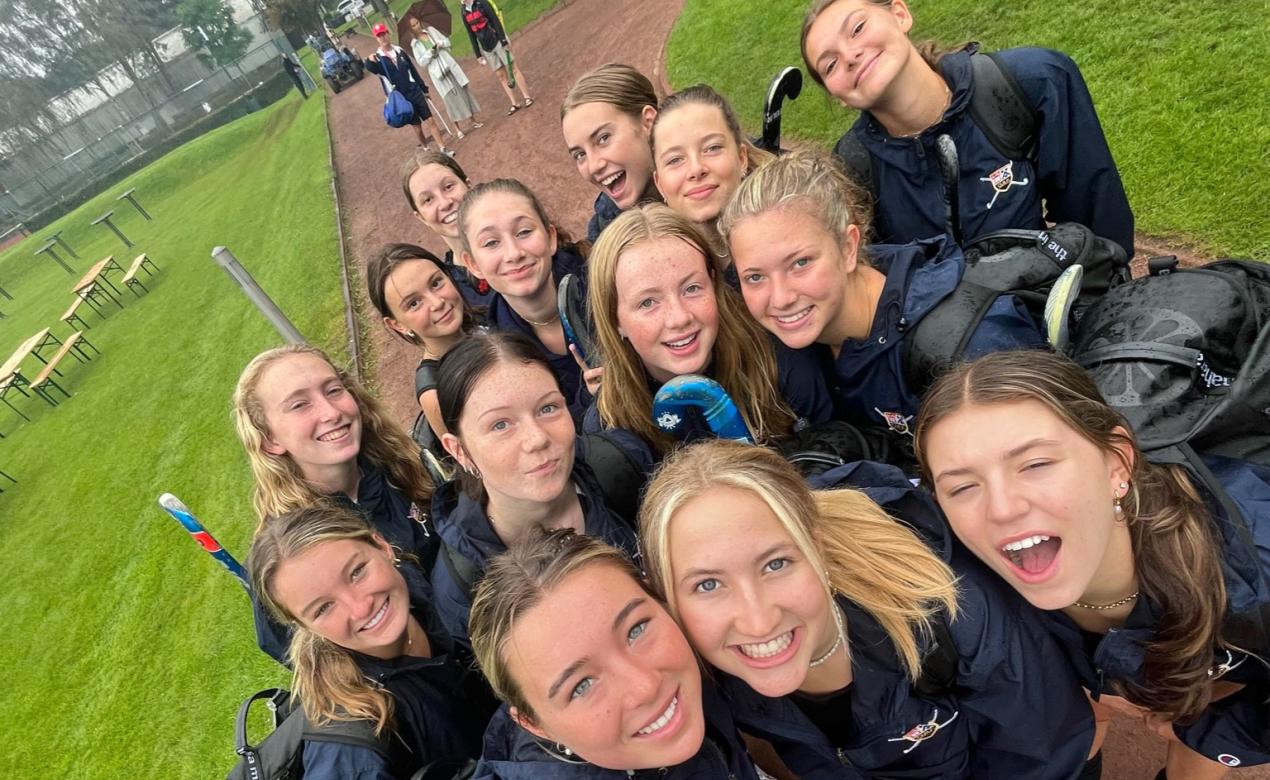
(95, 144)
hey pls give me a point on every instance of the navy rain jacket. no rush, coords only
(1234, 730)
(1073, 172)
(391, 513)
(476, 292)
(402, 76)
(465, 529)
(500, 316)
(442, 706)
(867, 378)
(511, 753)
(606, 211)
(1015, 710)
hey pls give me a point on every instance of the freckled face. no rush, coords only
(511, 248)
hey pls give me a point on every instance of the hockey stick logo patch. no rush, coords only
(1002, 179)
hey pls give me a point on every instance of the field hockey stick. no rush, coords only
(679, 396)
(786, 86)
(444, 125)
(573, 318)
(511, 69)
(173, 506)
(950, 167)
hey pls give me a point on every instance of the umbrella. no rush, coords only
(429, 13)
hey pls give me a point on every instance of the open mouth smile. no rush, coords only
(335, 435)
(1032, 558)
(663, 721)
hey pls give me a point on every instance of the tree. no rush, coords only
(208, 27)
(302, 16)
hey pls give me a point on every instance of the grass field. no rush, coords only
(1180, 88)
(126, 651)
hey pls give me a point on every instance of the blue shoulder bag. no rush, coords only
(397, 110)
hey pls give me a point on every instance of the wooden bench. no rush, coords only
(44, 379)
(72, 314)
(130, 278)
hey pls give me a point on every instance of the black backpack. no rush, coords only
(1185, 356)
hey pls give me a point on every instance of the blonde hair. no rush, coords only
(517, 581)
(1175, 547)
(855, 547)
(809, 180)
(325, 678)
(620, 86)
(280, 486)
(744, 359)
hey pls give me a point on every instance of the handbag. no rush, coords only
(398, 112)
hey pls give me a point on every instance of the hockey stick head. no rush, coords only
(950, 168)
(574, 319)
(787, 85)
(693, 395)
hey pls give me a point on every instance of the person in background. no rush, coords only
(396, 71)
(489, 44)
(432, 50)
(293, 71)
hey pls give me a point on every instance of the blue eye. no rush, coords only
(753, 278)
(582, 687)
(776, 564)
(548, 408)
(709, 585)
(637, 631)
(802, 262)
(500, 425)
(646, 303)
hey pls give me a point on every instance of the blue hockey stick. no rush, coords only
(173, 506)
(573, 317)
(675, 399)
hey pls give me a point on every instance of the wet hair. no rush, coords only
(512, 187)
(1175, 549)
(704, 95)
(390, 258)
(855, 547)
(620, 86)
(280, 486)
(743, 356)
(464, 365)
(931, 52)
(325, 678)
(516, 582)
(422, 160)
(811, 181)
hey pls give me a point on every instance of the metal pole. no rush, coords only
(225, 259)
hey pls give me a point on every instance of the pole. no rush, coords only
(225, 259)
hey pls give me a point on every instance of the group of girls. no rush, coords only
(982, 620)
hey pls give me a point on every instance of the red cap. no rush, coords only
(379, 29)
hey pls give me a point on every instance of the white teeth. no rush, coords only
(378, 616)
(660, 723)
(1023, 544)
(794, 317)
(769, 649)
(682, 342)
(450, 218)
(338, 433)
(608, 180)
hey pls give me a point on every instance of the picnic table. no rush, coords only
(129, 197)
(11, 372)
(104, 219)
(89, 286)
(50, 249)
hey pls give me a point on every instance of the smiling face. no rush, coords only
(349, 593)
(510, 247)
(610, 148)
(794, 273)
(1030, 496)
(311, 417)
(858, 48)
(516, 430)
(608, 673)
(666, 306)
(699, 163)
(423, 301)
(437, 193)
(749, 600)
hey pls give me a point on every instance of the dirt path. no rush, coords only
(528, 146)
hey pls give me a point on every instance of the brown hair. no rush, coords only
(620, 86)
(930, 51)
(854, 546)
(390, 258)
(1174, 547)
(325, 678)
(422, 160)
(704, 95)
(512, 187)
(517, 581)
(744, 359)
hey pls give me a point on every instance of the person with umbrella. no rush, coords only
(431, 48)
(489, 44)
(396, 71)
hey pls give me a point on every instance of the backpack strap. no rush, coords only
(941, 337)
(1001, 109)
(620, 477)
(939, 662)
(858, 163)
(461, 570)
(358, 733)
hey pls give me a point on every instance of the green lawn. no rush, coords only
(126, 649)
(1180, 88)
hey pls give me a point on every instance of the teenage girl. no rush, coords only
(909, 95)
(509, 242)
(434, 185)
(701, 154)
(1157, 586)
(510, 432)
(599, 681)
(413, 292)
(431, 49)
(661, 311)
(857, 645)
(313, 434)
(489, 44)
(606, 118)
(796, 239)
(367, 646)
